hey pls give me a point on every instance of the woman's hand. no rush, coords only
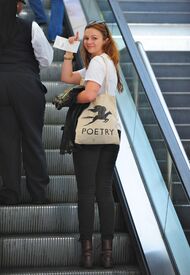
(74, 38)
(67, 74)
(71, 39)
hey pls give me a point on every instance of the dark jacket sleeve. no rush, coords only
(68, 136)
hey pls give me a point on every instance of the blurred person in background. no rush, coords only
(55, 26)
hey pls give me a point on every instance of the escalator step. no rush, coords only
(60, 189)
(58, 55)
(150, 17)
(59, 164)
(117, 270)
(183, 212)
(54, 88)
(53, 116)
(48, 219)
(52, 73)
(179, 84)
(52, 136)
(58, 250)
(179, 196)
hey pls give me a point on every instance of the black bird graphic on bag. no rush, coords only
(101, 110)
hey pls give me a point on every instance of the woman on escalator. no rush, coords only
(94, 164)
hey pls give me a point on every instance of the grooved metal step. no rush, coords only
(171, 69)
(52, 136)
(169, 56)
(177, 100)
(179, 115)
(178, 194)
(62, 188)
(53, 116)
(150, 11)
(54, 88)
(116, 270)
(150, 18)
(169, 84)
(58, 250)
(153, 130)
(48, 219)
(173, 100)
(52, 73)
(58, 55)
(155, 6)
(183, 211)
(59, 164)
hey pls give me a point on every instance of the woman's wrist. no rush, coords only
(68, 56)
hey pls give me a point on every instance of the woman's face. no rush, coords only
(93, 41)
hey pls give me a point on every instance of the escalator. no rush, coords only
(44, 239)
(171, 69)
(170, 60)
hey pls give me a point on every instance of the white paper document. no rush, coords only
(62, 43)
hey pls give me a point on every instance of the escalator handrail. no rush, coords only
(169, 134)
(180, 156)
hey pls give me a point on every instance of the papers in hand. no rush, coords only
(62, 43)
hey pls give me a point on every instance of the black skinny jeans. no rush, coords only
(94, 166)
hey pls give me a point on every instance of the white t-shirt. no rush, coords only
(96, 72)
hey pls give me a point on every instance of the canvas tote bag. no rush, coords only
(97, 124)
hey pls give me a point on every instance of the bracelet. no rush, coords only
(68, 58)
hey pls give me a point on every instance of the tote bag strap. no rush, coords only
(106, 77)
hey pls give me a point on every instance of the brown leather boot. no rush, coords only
(87, 259)
(106, 256)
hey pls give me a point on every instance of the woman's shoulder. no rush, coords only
(97, 58)
(98, 61)
(101, 57)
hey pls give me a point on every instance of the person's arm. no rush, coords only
(90, 93)
(42, 49)
(67, 74)
(94, 78)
